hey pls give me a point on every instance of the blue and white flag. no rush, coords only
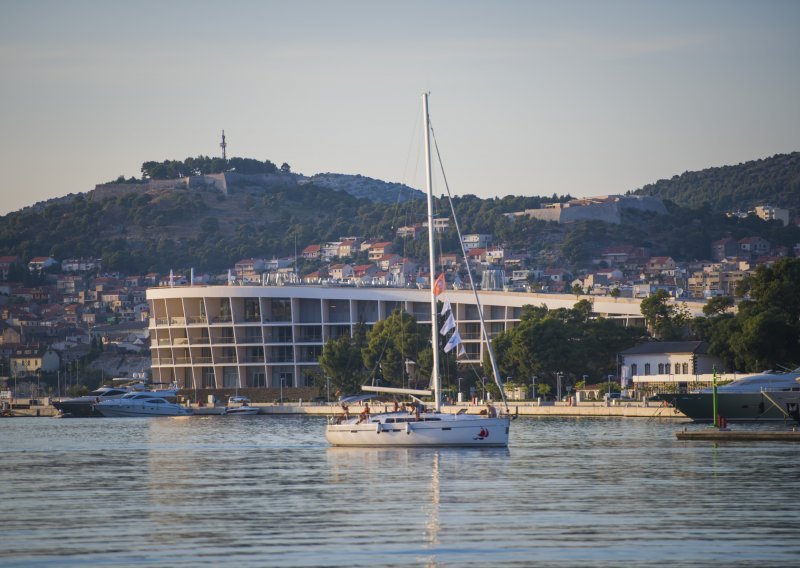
(449, 324)
(446, 307)
(455, 339)
(461, 350)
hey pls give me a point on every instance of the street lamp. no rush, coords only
(558, 385)
(283, 380)
(609, 386)
(328, 387)
(459, 390)
(533, 387)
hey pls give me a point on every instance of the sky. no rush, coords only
(526, 97)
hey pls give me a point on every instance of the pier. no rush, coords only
(725, 435)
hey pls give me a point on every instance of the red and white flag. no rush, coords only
(439, 285)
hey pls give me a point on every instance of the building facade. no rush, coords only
(273, 336)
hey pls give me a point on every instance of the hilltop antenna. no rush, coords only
(223, 145)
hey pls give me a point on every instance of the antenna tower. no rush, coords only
(223, 145)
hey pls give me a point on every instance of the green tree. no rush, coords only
(664, 319)
(342, 362)
(391, 343)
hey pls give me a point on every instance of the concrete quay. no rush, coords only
(522, 408)
(622, 410)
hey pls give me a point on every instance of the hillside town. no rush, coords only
(55, 312)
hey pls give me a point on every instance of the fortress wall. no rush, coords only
(545, 214)
(643, 203)
(607, 212)
(106, 190)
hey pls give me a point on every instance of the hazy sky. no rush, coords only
(530, 98)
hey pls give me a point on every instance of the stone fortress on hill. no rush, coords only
(356, 185)
(605, 208)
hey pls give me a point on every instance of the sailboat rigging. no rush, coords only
(422, 427)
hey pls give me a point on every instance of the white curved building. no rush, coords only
(272, 336)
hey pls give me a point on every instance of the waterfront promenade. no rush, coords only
(623, 409)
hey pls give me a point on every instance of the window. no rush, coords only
(667, 367)
(661, 368)
(647, 368)
(686, 368)
(634, 370)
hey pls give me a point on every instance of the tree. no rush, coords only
(391, 343)
(664, 319)
(565, 340)
(342, 363)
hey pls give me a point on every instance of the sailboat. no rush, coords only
(422, 426)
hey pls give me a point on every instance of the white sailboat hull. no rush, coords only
(398, 430)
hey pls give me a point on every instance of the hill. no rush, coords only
(209, 221)
(774, 181)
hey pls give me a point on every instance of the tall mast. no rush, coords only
(432, 253)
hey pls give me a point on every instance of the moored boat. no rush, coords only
(83, 406)
(747, 399)
(141, 404)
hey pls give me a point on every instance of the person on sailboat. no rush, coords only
(491, 411)
(364, 413)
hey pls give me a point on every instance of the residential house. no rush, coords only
(657, 264)
(440, 224)
(341, 272)
(330, 250)
(753, 247)
(9, 334)
(379, 250)
(769, 213)
(557, 275)
(410, 231)
(311, 252)
(250, 269)
(364, 271)
(494, 255)
(726, 247)
(28, 359)
(622, 254)
(6, 262)
(387, 261)
(39, 263)
(473, 241)
(81, 265)
(349, 246)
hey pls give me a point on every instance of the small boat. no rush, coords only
(141, 404)
(240, 406)
(746, 399)
(424, 427)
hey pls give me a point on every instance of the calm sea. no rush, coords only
(258, 491)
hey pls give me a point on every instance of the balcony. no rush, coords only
(225, 359)
(222, 319)
(197, 320)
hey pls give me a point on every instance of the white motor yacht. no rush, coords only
(141, 404)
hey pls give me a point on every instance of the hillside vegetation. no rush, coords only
(143, 229)
(774, 181)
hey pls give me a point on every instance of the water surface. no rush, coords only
(263, 490)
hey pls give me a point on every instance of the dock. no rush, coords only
(725, 435)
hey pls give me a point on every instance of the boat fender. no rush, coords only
(378, 428)
(408, 428)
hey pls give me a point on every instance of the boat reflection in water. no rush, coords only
(750, 398)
